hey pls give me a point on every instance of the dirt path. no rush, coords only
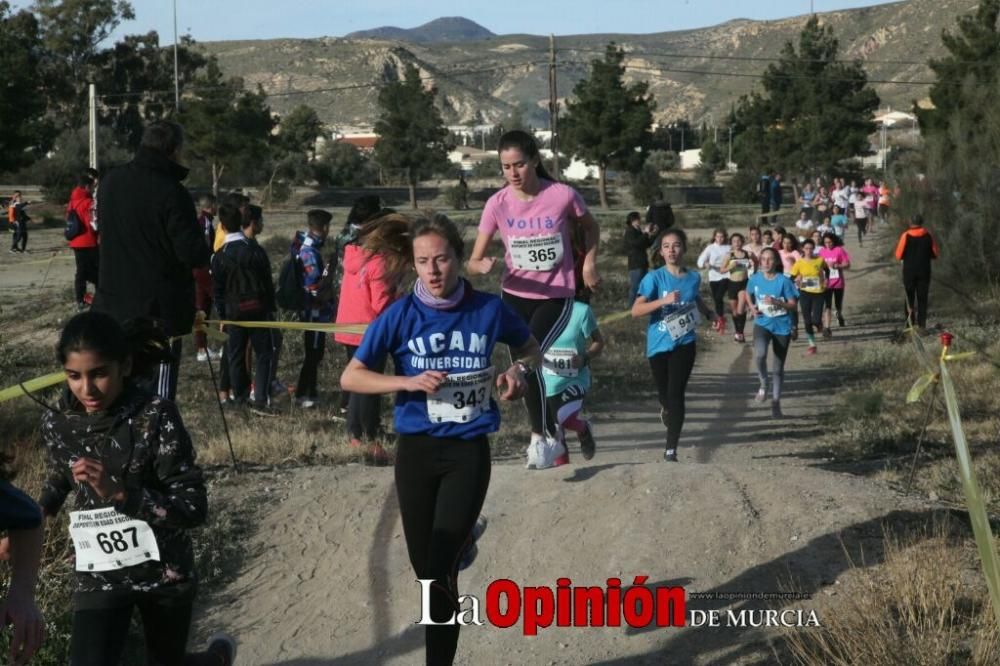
(752, 507)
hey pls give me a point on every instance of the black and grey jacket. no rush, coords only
(142, 440)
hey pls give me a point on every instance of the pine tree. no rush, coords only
(411, 134)
(608, 123)
(814, 111)
(972, 61)
(227, 125)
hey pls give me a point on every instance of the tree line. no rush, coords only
(811, 114)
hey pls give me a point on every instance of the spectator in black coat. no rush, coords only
(150, 242)
(637, 242)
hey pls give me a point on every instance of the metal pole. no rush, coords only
(730, 146)
(92, 121)
(177, 88)
(553, 108)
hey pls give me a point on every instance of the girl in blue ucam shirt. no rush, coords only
(670, 296)
(441, 340)
(771, 298)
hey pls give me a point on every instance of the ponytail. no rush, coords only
(140, 340)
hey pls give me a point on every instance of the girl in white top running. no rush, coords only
(713, 257)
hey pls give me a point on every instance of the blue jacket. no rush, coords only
(314, 271)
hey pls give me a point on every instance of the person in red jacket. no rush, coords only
(371, 283)
(916, 249)
(85, 247)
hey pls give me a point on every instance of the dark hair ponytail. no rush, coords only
(140, 339)
(528, 146)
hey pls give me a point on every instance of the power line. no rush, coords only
(355, 86)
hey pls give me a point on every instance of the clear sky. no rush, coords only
(212, 20)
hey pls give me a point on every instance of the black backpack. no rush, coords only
(290, 294)
(245, 291)
(74, 225)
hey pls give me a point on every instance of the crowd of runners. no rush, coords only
(117, 443)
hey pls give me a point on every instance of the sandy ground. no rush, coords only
(753, 506)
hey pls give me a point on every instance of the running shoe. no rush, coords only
(355, 443)
(827, 333)
(471, 548)
(811, 351)
(840, 320)
(664, 417)
(670, 456)
(377, 456)
(761, 394)
(587, 444)
(795, 334)
(263, 409)
(776, 409)
(720, 325)
(202, 355)
(215, 354)
(307, 403)
(222, 646)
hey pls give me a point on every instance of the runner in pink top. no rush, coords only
(837, 259)
(537, 218)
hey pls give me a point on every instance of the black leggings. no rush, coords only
(917, 290)
(812, 311)
(314, 343)
(547, 319)
(441, 485)
(99, 635)
(87, 263)
(671, 372)
(834, 297)
(719, 290)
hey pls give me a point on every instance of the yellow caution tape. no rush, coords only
(210, 327)
(32, 385)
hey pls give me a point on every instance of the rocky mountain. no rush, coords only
(694, 74)
(446, 29)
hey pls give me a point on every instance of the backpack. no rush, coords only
(74, 225)
(245, 290)
(290, 295)
(661, 215)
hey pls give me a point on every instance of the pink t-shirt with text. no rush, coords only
(831, 256)
(534, 232)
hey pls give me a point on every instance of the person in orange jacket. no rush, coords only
(916, 249)
(85, 244)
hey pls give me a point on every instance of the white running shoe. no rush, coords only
(307, 403)
(202, 356)
(543, 452)
(215, 354)
(761, 394)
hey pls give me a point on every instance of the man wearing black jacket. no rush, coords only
(637, 242)
(150, 242)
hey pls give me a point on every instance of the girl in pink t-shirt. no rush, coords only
(536, 218)
(837, 260)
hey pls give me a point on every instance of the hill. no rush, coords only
(446, 29)
(694, 74)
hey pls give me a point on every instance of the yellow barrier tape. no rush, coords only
(210, 328)
(32, 385)
(358, 329)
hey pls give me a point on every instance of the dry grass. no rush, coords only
(925, 605)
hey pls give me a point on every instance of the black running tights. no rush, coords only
(547, 319)
(99, 635)
(671, 372)
(441, 484)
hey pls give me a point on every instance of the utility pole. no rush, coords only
(177, 88)
(553, 108)
(730, 146)
(92, 130)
